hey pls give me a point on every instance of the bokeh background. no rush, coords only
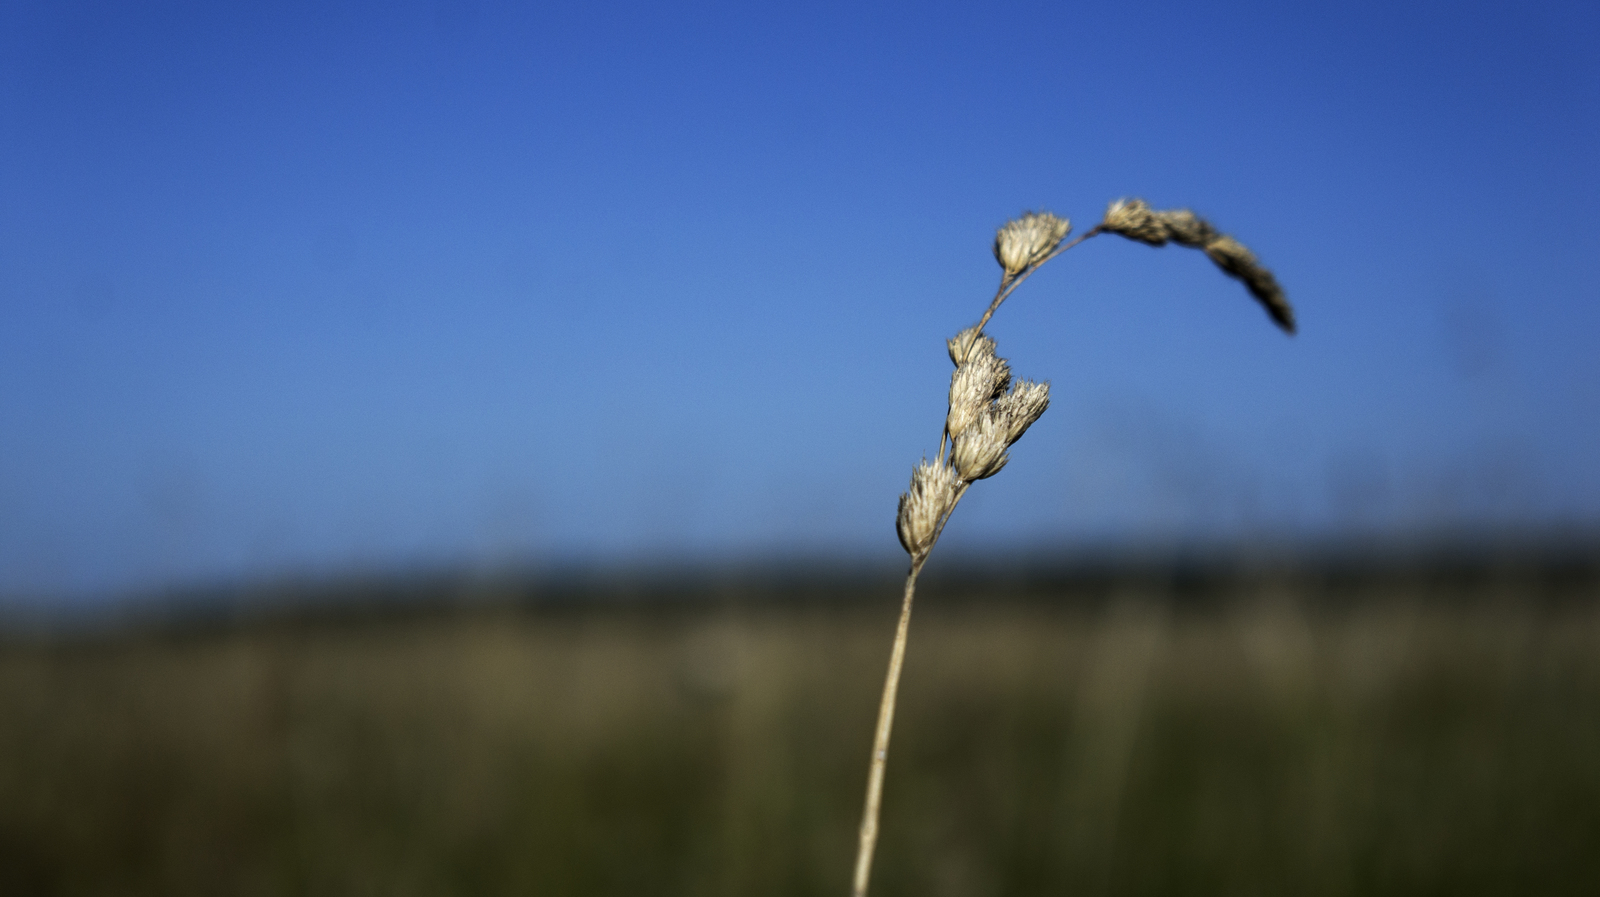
(452, 447)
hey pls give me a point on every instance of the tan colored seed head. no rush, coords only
(932, 495)
(1185, 228)
(1238, 262)
(1021, 406)
(1134, 219)
(961, 345)
(975, 384)
(980, 451)
(1028, 240)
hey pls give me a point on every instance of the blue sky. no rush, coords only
(331, 287)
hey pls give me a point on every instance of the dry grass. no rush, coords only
(1392, 749)
(989, 412)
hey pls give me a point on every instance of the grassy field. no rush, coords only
(1265, 744)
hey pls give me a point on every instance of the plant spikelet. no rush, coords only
(961, 345)
(976, 383)
(932, 495)
(980, 451)
(1028, 240)
(1021, 406)
(1185, 228)
(1238, 262)
(1134, 219)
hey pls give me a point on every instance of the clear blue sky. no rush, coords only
(336, 286)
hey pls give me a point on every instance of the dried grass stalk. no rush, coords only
(989, 412)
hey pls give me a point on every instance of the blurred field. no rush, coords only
(1137, 744)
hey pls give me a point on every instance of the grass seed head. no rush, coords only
(961, 345)
(1238, 262)
(1027, 240)
(980, 451)
(1185, 228)
(977, 382)
(932, 495)
(1134, 219)
(1020, 407)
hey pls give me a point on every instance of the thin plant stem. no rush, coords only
(880, 741)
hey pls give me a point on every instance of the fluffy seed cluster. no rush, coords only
(961, 344)
(980, 451)
(1021, 406)
(932, 495)
(988, 410)
(988, 413)
(1134, 219)
(1028, 240)
(977, 382)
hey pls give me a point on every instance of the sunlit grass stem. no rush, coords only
(989, 412)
